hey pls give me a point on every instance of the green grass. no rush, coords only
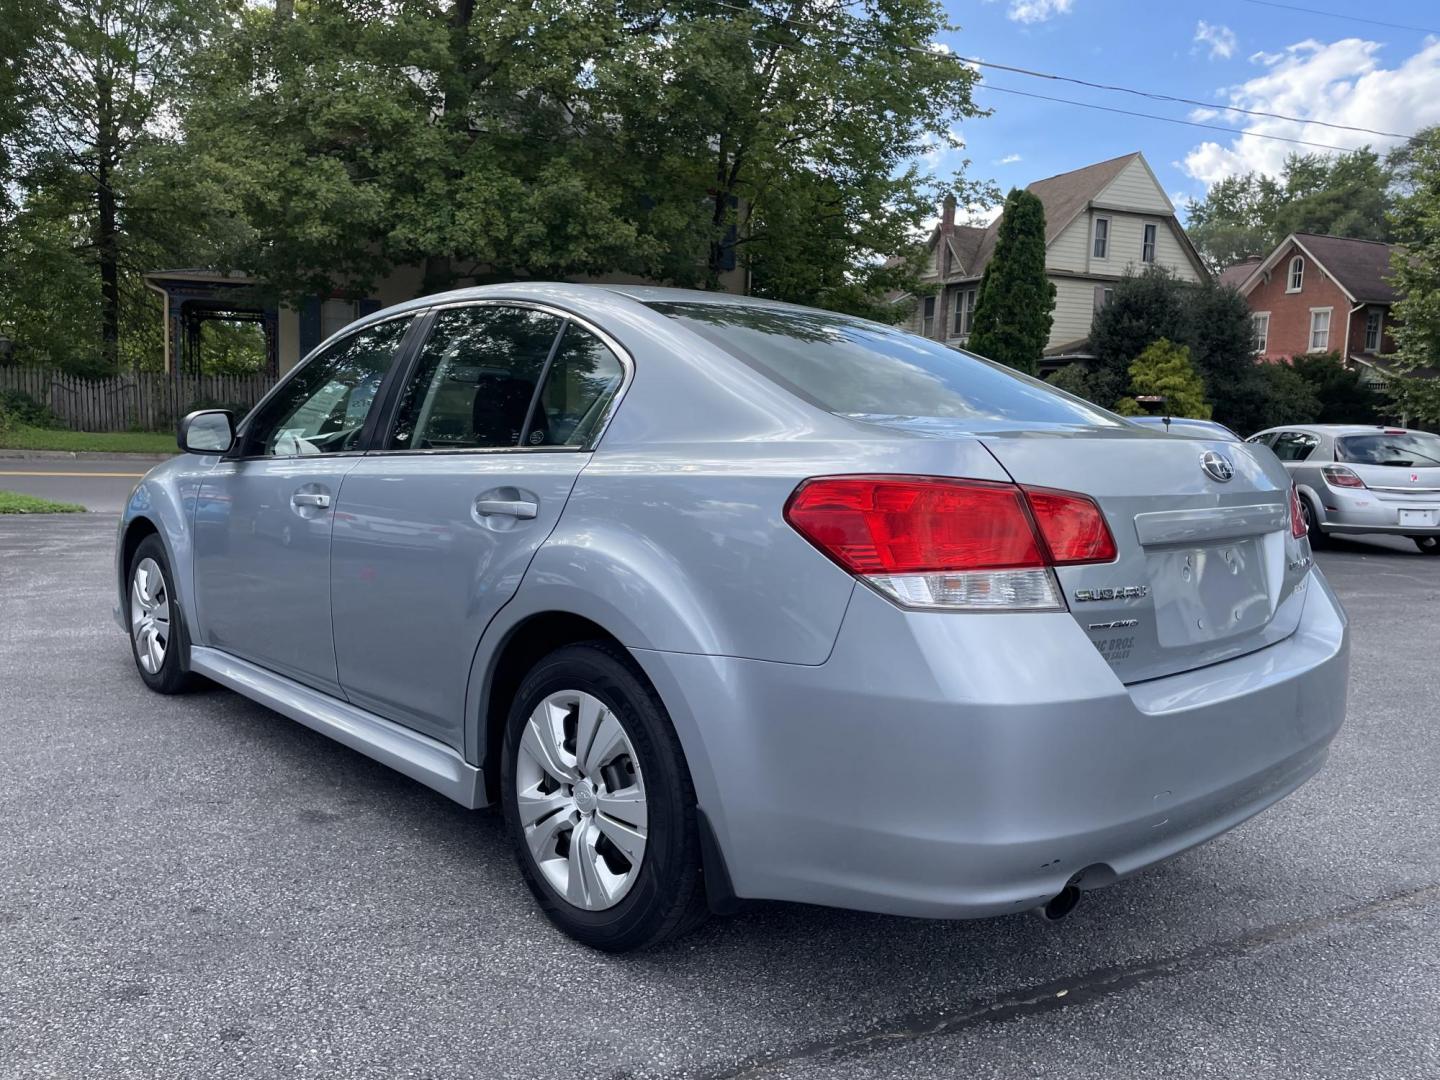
(12, 502)
(101, 442)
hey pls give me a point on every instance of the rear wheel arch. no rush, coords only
(523, 646)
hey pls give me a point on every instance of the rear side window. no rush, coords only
(476, 379)
(1409, 449)
(1294, 445)
(856, 368)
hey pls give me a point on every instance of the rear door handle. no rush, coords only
(310, 498)
(511, 508)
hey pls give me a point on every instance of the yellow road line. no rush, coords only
(133, 475)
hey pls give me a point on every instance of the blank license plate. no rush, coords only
(1211, 592)
(1417, 517)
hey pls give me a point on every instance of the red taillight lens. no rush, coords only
(940, 542)
(915, 525)
(1297, 515)
(1072, 526)
(1340, 476)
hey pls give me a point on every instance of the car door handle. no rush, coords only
(510, 507)
(310, 498)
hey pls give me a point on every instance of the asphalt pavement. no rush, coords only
(99, 484)
(195, 886)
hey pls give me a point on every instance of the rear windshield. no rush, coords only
(1408, 449)
(858, 368)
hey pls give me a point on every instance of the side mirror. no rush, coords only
(209, 431)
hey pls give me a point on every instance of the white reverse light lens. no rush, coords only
(974, 590)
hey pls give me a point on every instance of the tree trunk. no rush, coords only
(107, 234)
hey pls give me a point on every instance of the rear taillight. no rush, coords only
(938, 542)
(1340, 476)
(1297, 515)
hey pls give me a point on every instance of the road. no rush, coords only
(195, 886)
(99, 484)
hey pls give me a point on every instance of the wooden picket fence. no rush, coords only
(149, 401)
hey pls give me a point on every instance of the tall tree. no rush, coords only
(1142, 309)
(1342, 195)
(99, 83)
(485, 140)
(1015, 308)
(1414, 384)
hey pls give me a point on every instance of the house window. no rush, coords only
(1147, 244)
(1102, 237)
(949, 260)
(927, 320)
(1297, 274)
(336, 315)
(1373, 319)
(964, 312)
(1319, 329)
(1103, 295)
(1260, 326)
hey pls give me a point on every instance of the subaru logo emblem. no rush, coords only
(1217, 465)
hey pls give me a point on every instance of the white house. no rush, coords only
(1100, 221)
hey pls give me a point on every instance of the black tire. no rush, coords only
(667, 897)
(1318, 537)
(1428, 545)
(173, 675)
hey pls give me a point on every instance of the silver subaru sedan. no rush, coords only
(720, 599)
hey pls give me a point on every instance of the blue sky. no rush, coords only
(1227, 51)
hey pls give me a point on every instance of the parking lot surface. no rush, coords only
(195, 886)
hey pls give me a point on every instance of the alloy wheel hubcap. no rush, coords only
(149, 615)
(581, 799)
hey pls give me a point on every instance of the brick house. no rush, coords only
(1316, 294)
(1101, 222)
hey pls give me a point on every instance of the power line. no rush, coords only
(1165, 119)
(1339, 15)
(1150, 94)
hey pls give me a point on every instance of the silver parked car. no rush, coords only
(1356, 478)
(722, 598)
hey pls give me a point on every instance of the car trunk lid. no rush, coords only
(1206, 568)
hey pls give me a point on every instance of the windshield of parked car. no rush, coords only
(857, 368)
(1408, 448)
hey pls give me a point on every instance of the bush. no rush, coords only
(1164, 370)
(25, 411)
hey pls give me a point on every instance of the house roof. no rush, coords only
(1235, 274)
(1359, 267)
(1067, 194)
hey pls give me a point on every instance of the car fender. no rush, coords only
(165, 498)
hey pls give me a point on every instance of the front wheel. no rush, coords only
(599, 804)
(1428, 545)
(158, 639)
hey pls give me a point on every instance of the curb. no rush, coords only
(81, 455)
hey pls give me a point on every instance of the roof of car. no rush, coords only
(1334, 429)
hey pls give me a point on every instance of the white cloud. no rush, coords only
(1008, 159)
(1202, 115)
(1034, 11)
(1221, 39)
(1341, 83)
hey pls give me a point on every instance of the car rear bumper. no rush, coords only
(1368, 511)
(963, 766)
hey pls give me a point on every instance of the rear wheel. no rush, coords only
(1318, 539)
(158, 639)
(599, 804)
(1428, 545)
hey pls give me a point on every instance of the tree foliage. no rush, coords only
(1343, 195)
(1341, 398)
(1164, 369)
(1413, 384)
(1016, 303)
